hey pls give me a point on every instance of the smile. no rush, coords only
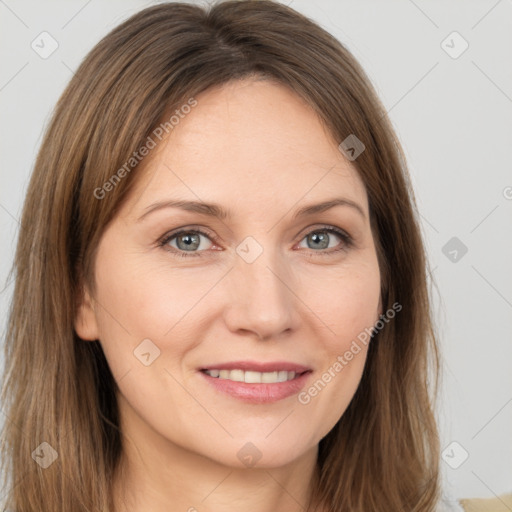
(257, 382)
(252, 377)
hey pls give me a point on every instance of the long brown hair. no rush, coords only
(383, 453)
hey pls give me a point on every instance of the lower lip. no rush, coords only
(258, 393)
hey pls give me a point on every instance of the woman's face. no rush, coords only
(258, 285)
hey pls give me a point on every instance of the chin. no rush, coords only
(257, 451)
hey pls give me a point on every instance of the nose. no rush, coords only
(262, 300)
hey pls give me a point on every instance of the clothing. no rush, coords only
(502, 503)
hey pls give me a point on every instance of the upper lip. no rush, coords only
(256, 366)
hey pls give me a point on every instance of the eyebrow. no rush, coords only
(215, 210)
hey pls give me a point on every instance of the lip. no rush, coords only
(258, 393)
(258, 366)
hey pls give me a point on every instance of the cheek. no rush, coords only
(154, 302)
(350, 308)
(349, 305)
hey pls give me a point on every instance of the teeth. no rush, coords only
(269, 377)
(251, 377)
(237, 375)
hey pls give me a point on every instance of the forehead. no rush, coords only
(250, 141)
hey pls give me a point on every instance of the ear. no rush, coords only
(86, 325)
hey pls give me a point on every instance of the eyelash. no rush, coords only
(347, 241)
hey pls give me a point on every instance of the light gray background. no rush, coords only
(453, 116)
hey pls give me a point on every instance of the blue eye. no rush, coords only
(321, 239)
(188, 241)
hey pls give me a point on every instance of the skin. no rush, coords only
(256, 149)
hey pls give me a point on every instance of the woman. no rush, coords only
(221, 295)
